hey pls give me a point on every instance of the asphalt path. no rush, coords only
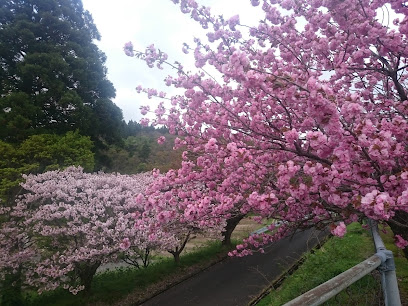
(236, 281)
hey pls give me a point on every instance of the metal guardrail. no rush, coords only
(387, 269)
(265, 228)
(383, 260)
(332, 287)
(259, 231)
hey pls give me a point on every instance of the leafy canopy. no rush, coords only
(52, 76)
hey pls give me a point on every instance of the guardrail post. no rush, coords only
(387, 269)
(389, 280)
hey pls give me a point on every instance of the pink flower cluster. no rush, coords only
(128, 48)
(161, 140)
(400, 242)
(339, 230)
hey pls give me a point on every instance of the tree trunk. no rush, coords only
(229, 228)
(11, 291)
(176, 256)
(146, 258)
(399, 226)
(176, 253)
(86, 273)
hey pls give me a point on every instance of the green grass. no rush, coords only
(114, 285)
(336, 256)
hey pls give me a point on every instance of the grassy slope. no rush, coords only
(109, 287)
(336, 256)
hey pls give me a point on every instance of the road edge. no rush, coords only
(277, 282)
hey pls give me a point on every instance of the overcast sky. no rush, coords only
(145, 22)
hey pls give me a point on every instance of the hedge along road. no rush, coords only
(236, 281)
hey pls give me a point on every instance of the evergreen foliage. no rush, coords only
(52, 76)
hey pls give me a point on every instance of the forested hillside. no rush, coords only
(55, 98)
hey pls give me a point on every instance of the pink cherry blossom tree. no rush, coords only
(171, 216)
(305, 119)
(67, 223)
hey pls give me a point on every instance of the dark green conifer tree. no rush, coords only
(52, 75)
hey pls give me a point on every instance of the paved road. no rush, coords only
(236, 281)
